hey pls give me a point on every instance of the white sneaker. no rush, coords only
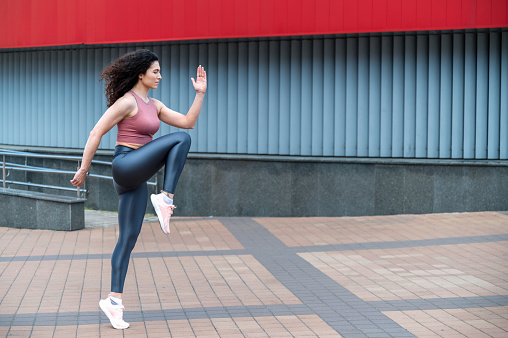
(163, 211)
(114, 313)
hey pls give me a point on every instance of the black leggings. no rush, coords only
(131, 170)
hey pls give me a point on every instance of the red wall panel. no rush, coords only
(322, 15)
(350, 16)
(408, 14)
(465, 17)
(32, 23)
(364, 16)
(424, 13)
(499, 14)
(379, 18)
(393, 14)
(483, 10)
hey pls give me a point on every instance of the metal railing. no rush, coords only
(81, 192)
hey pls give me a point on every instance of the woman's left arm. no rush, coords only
(187, 121)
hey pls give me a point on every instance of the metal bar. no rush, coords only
(22, 165)
(26, 168)
(3, 171)
(34, 155)
(42, 186)
(101, 162)
(35, 169)
(100, 176)
(53, 171)
(79, 188)
(110, 178)
(84, 184)
(26, 172)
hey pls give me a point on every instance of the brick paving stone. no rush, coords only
(382, 276)
(313, 231)
(394, 274)
(474, 322)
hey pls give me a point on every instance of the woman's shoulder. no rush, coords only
(155, 100)
(158, 104)
(127, 100)
(125, 105)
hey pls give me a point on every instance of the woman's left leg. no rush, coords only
(139, 165)
(131, 210)
(177, 145)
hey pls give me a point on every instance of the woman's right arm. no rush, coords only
(114, 114)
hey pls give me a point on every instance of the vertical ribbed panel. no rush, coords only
(409, 97)
(339, 113)
(494, 95)
(458, 96)
(482, 95)
(503, 124)
(386, 97)
(412, 96)
(470, 96)
(374, 98)
(433, 94)
(398, 98)
(445, 99)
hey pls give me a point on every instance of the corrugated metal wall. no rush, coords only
(411, 96)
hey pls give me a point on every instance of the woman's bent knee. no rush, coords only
(183, 137)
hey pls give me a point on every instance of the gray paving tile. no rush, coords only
(321, 295)
(329, 294)
(440, 303)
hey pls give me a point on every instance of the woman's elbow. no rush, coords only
(189, 124)
(95, 134)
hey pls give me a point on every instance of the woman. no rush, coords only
(137, 157)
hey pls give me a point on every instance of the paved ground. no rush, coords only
(387, 276)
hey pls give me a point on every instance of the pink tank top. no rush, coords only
(141, 127)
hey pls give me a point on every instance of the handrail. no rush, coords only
(84, 191)
(6, 166)
(18, 153)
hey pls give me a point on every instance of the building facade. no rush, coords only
(313, 108)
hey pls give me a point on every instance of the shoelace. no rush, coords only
(120, 311)
(170, 212)
(170, 208)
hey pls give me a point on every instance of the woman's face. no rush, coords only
(152, 76)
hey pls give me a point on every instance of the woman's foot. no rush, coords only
(163, 211)
(114, 313)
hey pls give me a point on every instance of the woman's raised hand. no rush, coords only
(200, 82)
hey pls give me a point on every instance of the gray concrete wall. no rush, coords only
(223, 185)
(228, 187)
(35, 210)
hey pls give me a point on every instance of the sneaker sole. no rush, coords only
(106, 312)
(158, 212)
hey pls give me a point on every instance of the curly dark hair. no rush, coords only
(123, 73)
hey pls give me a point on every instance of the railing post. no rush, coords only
(3, 170)
(26, 173)
(85, 185)
(79, 192)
